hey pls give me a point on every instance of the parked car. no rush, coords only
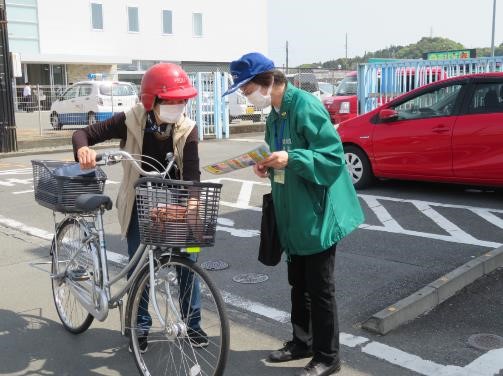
(447, 131)
(305, 81)
(343, 105)
(326, 90)
(87, 102)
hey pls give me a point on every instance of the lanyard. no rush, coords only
(279, 141)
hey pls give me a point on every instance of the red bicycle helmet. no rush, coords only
(166, 81)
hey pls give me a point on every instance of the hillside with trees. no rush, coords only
(412, 51)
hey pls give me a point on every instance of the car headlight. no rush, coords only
(344, 109)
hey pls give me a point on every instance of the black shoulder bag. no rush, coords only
(270, 247)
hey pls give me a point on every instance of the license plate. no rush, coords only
(250, 110)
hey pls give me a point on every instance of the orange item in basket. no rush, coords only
(169, 213)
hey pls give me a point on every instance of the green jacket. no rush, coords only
(317, 205)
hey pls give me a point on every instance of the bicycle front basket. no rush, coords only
(174, 213)
(57, 184)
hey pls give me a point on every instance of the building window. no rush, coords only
(97, 16)
(197, 24)
(133, 23)
(167, 22)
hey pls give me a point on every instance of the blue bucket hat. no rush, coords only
(247, 67)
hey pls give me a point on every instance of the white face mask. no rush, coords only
(170, 113)
(259, 100)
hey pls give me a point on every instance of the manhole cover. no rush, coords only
(486, 341)
(214, 265)
(250, 278)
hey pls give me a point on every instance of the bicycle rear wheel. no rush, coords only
(72, 256)
(172, 347)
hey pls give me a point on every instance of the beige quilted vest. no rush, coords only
(136, 120)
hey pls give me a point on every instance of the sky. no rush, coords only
(316, 29)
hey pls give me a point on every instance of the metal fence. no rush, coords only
(379, 83)
(44, 108)
(48, 108)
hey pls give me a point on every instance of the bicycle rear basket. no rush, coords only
(175, 213)
(59, 192)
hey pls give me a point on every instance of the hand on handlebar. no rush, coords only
(86, 157)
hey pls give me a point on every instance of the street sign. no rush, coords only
(450, 55)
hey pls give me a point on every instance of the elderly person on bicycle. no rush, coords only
(153, 128)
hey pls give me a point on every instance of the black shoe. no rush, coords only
(142, 345)
(315, 368)
(198, 338)
(290, 351)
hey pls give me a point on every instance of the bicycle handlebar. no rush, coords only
(115, 156)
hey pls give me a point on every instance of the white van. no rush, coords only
(87, 102)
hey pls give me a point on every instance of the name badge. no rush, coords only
(279, 176)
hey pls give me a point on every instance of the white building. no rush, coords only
(63, 41)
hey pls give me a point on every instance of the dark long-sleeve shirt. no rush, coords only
(115, 128)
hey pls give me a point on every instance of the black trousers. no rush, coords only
(314, 310)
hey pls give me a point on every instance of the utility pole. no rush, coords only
(346, 46)
(286, 57)
(494, 27)
(346, 55)
(8, 139)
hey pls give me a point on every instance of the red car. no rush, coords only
(447, 131)
(344, 104)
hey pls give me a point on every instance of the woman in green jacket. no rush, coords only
(315, 205)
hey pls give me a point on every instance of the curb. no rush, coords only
(433, 294)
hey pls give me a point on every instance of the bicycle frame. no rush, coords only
(104, 296)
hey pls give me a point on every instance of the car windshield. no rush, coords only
(120, 90)
(327, 87)
(347, 86)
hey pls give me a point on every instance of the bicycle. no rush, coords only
(173, 216)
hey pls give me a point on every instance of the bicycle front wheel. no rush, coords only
(78, 260)
(188, 334)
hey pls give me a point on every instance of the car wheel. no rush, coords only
(54, 118)
(91, 118)
(359, 167)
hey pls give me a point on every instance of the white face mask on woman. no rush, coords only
(170, 113)
(259, 100)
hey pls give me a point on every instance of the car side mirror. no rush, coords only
(388, 114)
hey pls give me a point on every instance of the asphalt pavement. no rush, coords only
(413, 234)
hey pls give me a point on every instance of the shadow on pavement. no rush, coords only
(33, 345)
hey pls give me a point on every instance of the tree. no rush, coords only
(426, 44)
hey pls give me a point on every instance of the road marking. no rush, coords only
(383, 215)
(21, 192)
(243, 201)
(487, 364)
(12, 182)
(246, 140)
(389, 224)
(227, 225)
(21, 171)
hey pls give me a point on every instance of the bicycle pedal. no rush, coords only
(79, 275)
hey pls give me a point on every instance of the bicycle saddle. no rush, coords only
(90, 202)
